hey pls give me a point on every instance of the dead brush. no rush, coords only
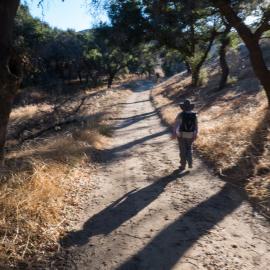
(90, 137)
(36, 183)
(259, 190)
(25, 113)
(30, 203)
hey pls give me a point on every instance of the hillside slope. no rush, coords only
(234, 123)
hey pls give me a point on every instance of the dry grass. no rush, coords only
(37, 185)
(32, 199)
(225, 134)
(42, 180)
(26, 113)
(234, 129)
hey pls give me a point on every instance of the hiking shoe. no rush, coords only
(181, 168)
(190, 166)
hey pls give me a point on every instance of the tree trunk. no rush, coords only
(197, 69)
(80, 76)
(225, 41)
(110, 79)
(259, 66)
(8, 80)
(187, 67)
(251, 41)
(196, 76)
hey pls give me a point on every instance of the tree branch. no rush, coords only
(265, 26)
(233, 19)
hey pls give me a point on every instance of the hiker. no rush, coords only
(186, 130)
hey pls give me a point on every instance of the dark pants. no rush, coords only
(185, 148)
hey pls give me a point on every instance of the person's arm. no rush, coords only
(196, 129)
(176, 126)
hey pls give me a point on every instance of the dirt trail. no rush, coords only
(144, 215)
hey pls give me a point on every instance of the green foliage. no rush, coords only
(195, 59)
(128, 22)
(234, 40)
(185, 26)
(51, 54)
(30, 36)
(145, 59)
(203, 78)
(172, 62)
(232, 80)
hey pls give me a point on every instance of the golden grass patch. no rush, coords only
(35, 184)
(30, 203)
(25, 113)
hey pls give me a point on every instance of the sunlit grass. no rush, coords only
(229, 131)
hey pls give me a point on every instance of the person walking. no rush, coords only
(186, 131)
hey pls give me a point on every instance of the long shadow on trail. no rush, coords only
(138, 85)
(135, 102)
(165, 249)
(119, 212)
(128, 121)
(109, 155)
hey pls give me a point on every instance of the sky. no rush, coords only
(72, 14)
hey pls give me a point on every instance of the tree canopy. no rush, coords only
(141, 35)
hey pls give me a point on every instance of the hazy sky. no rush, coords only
(73, 14)
(68, 14)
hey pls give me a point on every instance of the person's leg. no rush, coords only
(189, 152)
(182, 153)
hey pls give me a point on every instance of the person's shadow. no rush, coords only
(119, 212)
(166, 248)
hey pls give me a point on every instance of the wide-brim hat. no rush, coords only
(187, 105)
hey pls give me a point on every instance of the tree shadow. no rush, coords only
(138, 85)
(165, 249)
(135, 102)
(109, 155)
(52, 147)
(128, 121)
(119, 212)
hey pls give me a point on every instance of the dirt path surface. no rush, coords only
(144, 215)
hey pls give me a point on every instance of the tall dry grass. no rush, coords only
(36, 185)
(43, 180)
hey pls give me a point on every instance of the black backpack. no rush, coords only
(188, 122)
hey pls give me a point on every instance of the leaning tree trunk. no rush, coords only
(225, 41)
(8, 80)
(80, 76)
(259, 66)
(187, 67)
(196, 75)
(110, 80)
(251, 41)
(197, 69)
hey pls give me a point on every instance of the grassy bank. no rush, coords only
(48, 169)
(234, 124)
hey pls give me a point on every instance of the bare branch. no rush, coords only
(265, 25)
